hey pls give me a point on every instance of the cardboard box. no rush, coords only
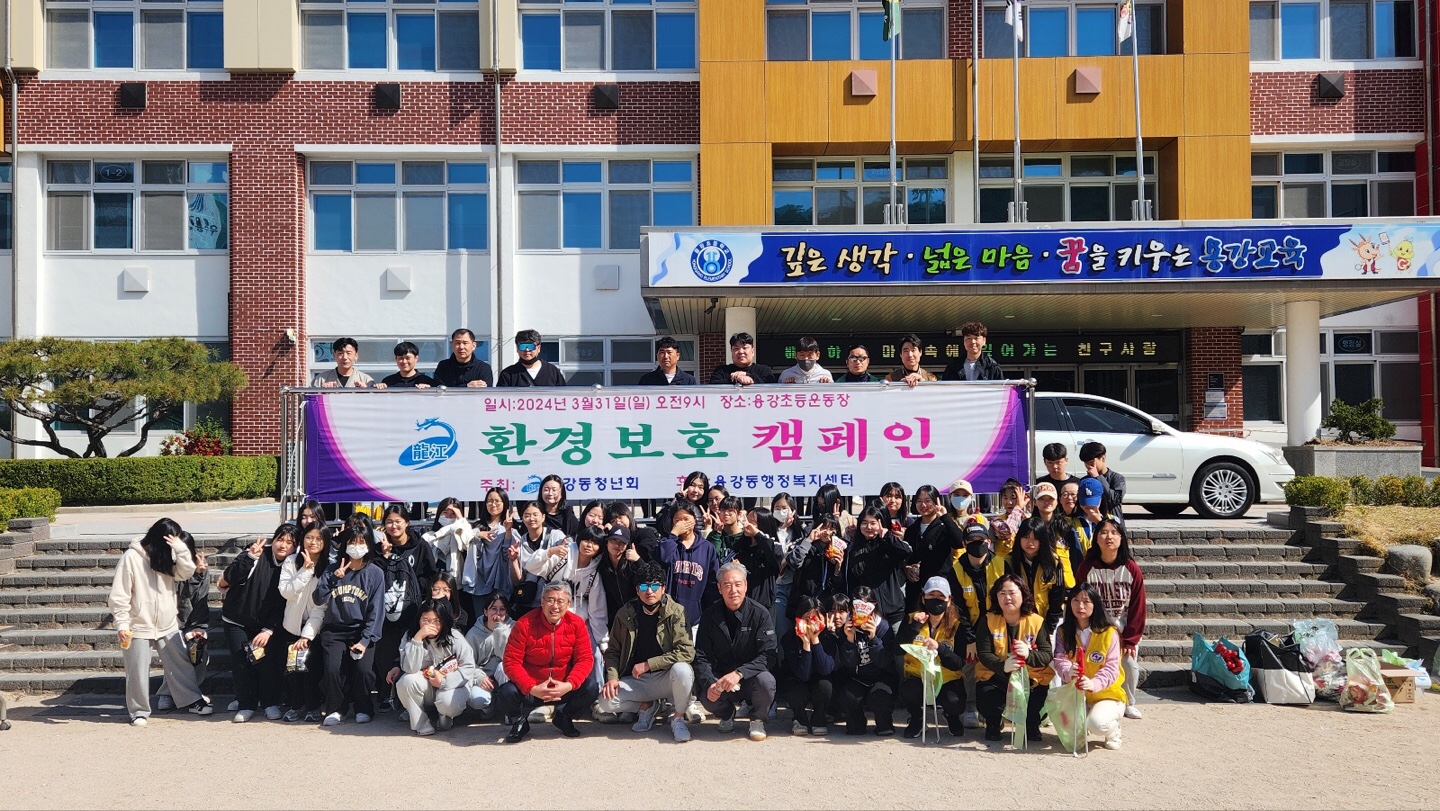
(1400, 681)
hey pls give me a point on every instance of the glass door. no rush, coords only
(1108, 381)
(1157, 392)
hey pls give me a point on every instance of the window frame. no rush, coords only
(604, 187)
(859, 184)
(1066, 179)
(136, 189)
(1328, 178)
(1324, 32)
(137, 9)
(856, 9)
(608, 8)
(561, 349)
(1072, 29)
(394, 9)
(398, 189)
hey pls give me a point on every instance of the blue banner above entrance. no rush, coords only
(1065, 253)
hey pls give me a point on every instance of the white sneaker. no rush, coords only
(426, 729)
(362, 718)
(727, 725)
(331, 720)
(757, 729)
(541, 715)
(1133, 712)
(445, 723)
(201, 707)
(695, 713)
(164, 703)
(273, 714)
(971, 720)
(1113, 742)
(232, 706)
(680, 729)
(139, 721)
(243, 716)
(646, 720)
(820, 731)
(799, 729)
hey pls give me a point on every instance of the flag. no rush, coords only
(892, 18)
(1014, 18)
(1126, 27)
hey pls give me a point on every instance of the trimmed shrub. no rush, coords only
(1359, 423)
(1389, 490)
(1318, 491)
(28, 502)
(146, 480)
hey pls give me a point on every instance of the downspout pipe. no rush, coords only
(14, 154)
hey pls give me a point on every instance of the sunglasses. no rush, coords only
(650, 586)
(858, 358)
(527, 347)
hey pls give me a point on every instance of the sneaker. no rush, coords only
(314, 717)
(428, 729)
(362, 718)
(727, 725)
(757, 729)
(971, 720)
(201, 707)
(680, 729)
(404, 717)
(1112, 743)
(565, 725)
(291, 716)
(518, 731)
(243, 716)
(540, 715)
(232, 706)
(627, 717)
(385, 706)
(695, 713)
(820, 731)
(914, 728)
(164, 703)
(273, 714)
(1133, 712)
(603, 717)
(646, 720)
(799, 729)
(139, 721)
(743, 709)
(445, 724)
(332, 720)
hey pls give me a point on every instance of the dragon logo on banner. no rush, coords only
(432, 450)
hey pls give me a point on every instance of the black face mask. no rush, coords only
(977, 549)
(934, 607)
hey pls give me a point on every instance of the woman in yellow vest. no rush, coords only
(1045, 566)
(1009, 637)
(937, 627)
(1088, 631)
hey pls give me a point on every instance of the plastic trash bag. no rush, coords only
(1017, 706)
(1068, 712)
(930, 675)
(1422, 678)
(1319, 643)
(1365, 690)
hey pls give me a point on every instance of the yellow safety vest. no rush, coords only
(993, 571)
(1029, 629)
(1095, 657)
(912, 665)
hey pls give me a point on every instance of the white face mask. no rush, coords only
(356, 551)
(446, 520)
(782, 516)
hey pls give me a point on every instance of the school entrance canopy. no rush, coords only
(1045, 277)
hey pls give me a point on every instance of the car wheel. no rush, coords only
(1222, 490)
(1165, 510)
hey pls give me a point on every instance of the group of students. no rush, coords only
(465, 369)
(717, 606)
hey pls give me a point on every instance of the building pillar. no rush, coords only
(1302, 371)
(739, 319)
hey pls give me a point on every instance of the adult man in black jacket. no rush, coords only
(667, 371)
(462, 368)
(735, 654)
(744, 371)
(976, 365)
(531, 369)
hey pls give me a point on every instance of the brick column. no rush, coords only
(1214, 350)
(713, 351)
(267, 285)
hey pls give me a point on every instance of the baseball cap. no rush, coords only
(975, 529)
(962, 485)
(939, 584)
(619, 531)
(1091, 491)
(1044, 489)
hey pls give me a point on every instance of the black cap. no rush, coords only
(619, 531)
(976, 529)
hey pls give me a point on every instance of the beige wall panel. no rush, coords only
(735, 184)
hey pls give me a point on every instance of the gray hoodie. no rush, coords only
(416, 656)
(489, 647)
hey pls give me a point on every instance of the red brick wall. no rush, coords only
(1208, 351)
(960, 29)
(713, 352)
(1375, 101)
(264, 117)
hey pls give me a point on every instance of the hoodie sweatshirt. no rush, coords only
(587, 594)
(420, 557)
(489, 646)
(303, 617)
(354, 604)
(143, 601)
(416, 656)
(691, 575)
(1122, 587)
(450, 544)
(487, 567)
(253, 600)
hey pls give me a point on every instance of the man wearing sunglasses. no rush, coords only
(531, 369)
(857, 366)
(649, 655)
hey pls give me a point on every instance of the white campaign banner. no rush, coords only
(423, 445)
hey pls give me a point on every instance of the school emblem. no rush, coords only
(711, 260)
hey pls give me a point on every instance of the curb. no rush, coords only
(178, 507)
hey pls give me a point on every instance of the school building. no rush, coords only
(268, 175)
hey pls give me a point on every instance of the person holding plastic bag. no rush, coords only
(1011, 636)
(1088, 631)
(1115, 574)
(937, 626)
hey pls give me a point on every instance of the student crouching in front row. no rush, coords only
(438, 667)
(1087, 651)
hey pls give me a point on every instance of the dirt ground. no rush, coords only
(77, 752)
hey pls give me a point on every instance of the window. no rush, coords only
(608, 35)
(6, 210)
(594, 361)
(1358, 29)
(422, 35)
(1073, 28)
(146, 206)
(796, 30)
(1372, 363)
(1343, 183)
(128, 35)
(390, 207)
(850, 191)
(1090, 415)
(1065, 188)
(1261, 386)
(376, 356)
(600, 204)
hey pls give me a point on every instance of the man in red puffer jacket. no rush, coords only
(548, 660)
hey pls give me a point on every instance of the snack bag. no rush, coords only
(836, 551)
(296, 660)
(1365, 690)
(862, 611)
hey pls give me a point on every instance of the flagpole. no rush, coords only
(1141, 211)
(894, 210)
(975, 106)
(1017, 207)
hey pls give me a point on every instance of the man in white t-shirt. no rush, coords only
(807, 368)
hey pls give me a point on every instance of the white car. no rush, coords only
(1165, 470)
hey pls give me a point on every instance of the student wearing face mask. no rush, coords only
(963, 506)
(972, 574)
(782, 509)
(354, 600)
(254, 611)
(933, 540)
(530, 369)
(938, 627)
(807, 368)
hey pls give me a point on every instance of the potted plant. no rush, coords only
(1362, 445)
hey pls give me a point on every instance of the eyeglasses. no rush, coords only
(858, 358)
(650, 586)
